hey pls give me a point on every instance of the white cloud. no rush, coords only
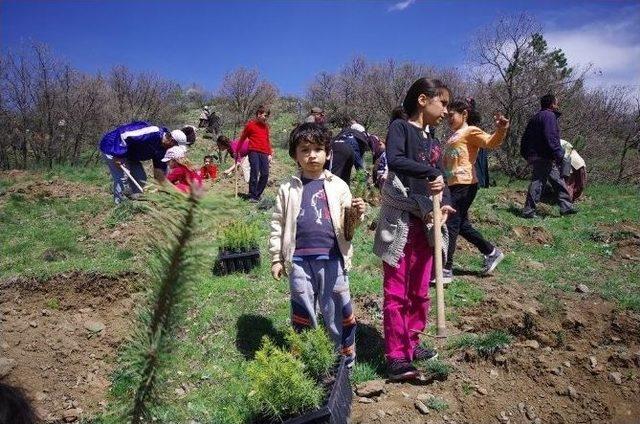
(612, 49)
(401, 5)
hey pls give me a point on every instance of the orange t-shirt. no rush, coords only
(461, 151)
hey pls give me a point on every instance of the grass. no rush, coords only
(437, 404)
(227, 316)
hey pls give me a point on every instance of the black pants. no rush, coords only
(462, 196)
(342, 160)
(541, 171)
(259, 174)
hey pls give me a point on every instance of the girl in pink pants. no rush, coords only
(415, 174)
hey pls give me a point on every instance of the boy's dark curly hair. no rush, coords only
(15, 407)
(310, 132)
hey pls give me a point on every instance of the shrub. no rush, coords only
(438, 369)
(437, 404)
(279, 386)
(314, 348)
(490, 343)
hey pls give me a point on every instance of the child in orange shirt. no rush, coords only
(460, 153)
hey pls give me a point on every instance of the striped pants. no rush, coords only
(324, 282)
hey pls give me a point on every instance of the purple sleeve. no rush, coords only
(552, 135)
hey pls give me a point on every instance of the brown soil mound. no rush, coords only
(533, 235)
(575, 358)
(56, 188)
(59, 339)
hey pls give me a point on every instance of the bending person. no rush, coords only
(130, 145)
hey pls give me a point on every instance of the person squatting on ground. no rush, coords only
(316, 116)
(307, 240)
(540, 146)
(208, 169)
(401, 240)
(574, 171)
(182, 174)
(132, 143)
(239, 152)
(460, 153)
(260, 152)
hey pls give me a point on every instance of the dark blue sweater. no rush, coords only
(541, 138)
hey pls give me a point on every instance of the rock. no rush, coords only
(537, 421)
(422, 407)
(180, 392)
(571, 392)
(499, 359)
(616, 377)
(521, 407)
(615, 339)
(424, 397)
(371, 388)
(593, 362)
(381, 413)
(482, 390)
(493, 374)
(566, 364)
(556, 371)
(530, 413)
(6, 366)
(33, 324)
(365, 400)
(582, 288)
(502, 417)
(94, 326)
(71, 415)
(45, 312)
(533, 344)
(405, 395)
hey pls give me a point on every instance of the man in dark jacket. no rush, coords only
(540, 146)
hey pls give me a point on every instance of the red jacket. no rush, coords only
(182, 177)
(210, 171)
(258, 135)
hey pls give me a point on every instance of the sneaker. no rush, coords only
(252, 200)
(401, 369)
(492, 260)
(424, 354)
(529, 215)
(447, 277)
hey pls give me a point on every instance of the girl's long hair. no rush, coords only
(427, 86)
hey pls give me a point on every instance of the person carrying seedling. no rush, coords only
(415, 174)
(182, 174)
(307, 240)
(209, 170)
(124, 148)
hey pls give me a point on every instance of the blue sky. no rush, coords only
(291, 41)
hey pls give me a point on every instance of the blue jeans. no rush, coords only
(120, 179)
(259, 174)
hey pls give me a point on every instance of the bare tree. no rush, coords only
(244, 91)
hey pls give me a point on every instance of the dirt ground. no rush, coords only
(575, 359)
(60, 336)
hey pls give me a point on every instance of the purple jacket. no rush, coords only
(541, 138)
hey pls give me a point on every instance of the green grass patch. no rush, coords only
(437, 404)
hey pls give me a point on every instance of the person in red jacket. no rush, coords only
(183, 175)
(260, 152)
(209, 170)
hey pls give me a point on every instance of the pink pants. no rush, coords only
(406, 295)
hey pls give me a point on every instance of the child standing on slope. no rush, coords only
(460, 154)
(307, 239)
(413, 158)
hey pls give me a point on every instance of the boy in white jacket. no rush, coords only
(307, 239)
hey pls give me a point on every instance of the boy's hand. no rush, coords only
(501, 121)
(276, 270)
(359, 205)
(436, 186)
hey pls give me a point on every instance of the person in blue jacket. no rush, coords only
(130, 145)
(540, 146)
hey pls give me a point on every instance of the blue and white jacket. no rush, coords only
(136, 141)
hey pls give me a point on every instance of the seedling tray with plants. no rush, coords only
(238, 249)
(300, 383)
